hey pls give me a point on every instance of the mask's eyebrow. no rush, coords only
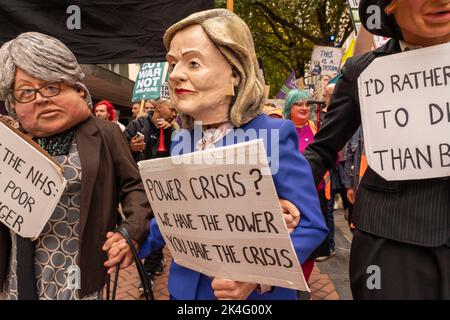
(187, 52)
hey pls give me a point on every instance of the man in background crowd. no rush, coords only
(144, 136)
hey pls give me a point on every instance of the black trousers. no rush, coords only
(324, 248)
(153, 262)
(386, 269)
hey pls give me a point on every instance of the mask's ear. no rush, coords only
(236, 78)
(391, 8)
(81, 92)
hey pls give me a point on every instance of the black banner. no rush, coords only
(100, 31)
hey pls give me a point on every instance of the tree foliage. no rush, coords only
(285, 32)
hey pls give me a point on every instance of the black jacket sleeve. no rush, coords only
(341, 121)
(132, 128)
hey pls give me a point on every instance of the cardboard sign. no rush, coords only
(405, 110)
(354, 4)
(151, 82)
(223, 219)
(325, 60)
(354, 13)
(31, 184)
(380, 41)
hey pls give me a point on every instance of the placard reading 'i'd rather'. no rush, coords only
(405, 112)
(31, 184)
(220, 216)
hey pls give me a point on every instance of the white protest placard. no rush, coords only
(354, 4)
(354, 13)
(222, 218)
(30, 185)
(325, 60)
(380, 41)
(405, 111)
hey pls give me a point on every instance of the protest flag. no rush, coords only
(288, 85)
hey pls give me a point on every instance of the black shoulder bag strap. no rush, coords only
(143, 277)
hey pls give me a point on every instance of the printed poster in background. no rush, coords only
(325, 60)
(151, 82)
(219, 214)
(354, 13)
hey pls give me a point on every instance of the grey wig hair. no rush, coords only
(42, 57)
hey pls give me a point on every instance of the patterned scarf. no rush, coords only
(57, 145)
(211, 136)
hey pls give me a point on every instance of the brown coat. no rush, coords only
(109, 175)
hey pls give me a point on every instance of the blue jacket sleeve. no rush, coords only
(154, 240)
(294, 182)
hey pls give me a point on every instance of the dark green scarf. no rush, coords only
(58, 144)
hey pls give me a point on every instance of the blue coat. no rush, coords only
(293, 181)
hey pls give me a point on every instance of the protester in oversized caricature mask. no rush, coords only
(420, 23)
(214, 78)
(48, 96)
(401, 226)
(203, 83)
(41, 81)
(206, 87)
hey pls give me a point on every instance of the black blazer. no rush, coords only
(414, 211)
(151, 138)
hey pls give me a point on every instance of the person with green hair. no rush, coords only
(297, 109)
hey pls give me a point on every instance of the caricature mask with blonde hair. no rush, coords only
(214, 73)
